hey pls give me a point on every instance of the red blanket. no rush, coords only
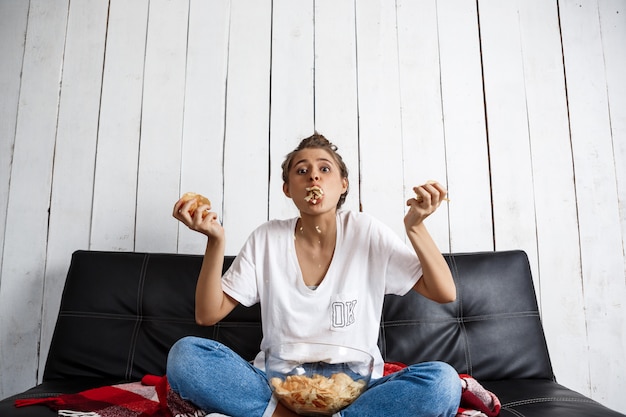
(152, 397)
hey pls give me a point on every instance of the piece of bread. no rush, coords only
(198, 201)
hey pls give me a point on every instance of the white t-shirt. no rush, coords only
(369, 261)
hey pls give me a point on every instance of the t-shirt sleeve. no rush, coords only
(403, 266)
(403, 270)
(239, 281)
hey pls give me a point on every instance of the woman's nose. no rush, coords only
(315, 175)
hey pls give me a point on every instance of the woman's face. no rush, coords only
(311, 168)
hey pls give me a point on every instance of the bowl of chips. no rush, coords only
(317, 379)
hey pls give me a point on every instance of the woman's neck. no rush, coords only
(317, 230)
(315, 239)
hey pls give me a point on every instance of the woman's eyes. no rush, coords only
(302, 171)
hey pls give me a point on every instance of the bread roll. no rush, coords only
(198, 201)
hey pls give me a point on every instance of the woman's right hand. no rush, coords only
(203, 220)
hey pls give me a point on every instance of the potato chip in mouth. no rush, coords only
(315, 193)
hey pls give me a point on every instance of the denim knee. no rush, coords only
(178, 357)
(447, 382)
(215, 378)
(444, 372)
(424, 389)
(181, 346)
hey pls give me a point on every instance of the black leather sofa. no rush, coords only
(120, 313)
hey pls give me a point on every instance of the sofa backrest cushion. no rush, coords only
(492, 331)
(121, 311)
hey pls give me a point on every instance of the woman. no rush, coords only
(334, 257)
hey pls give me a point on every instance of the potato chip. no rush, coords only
(317, 395)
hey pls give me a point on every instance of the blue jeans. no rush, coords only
(217, 380)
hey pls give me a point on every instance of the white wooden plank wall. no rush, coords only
(597, 176)
(75, 150)
(24, 257)
(110, 109)
(246, 139)
(292, 106)
(335, 84)
(424, 145)
(553, 181)
(465, 135)
(207, 63)
(115, 184)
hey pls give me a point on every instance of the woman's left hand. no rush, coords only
(428, 198)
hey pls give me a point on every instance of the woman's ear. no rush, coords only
(286, 189)
(345, 183)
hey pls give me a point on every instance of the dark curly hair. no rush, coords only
(318, 141)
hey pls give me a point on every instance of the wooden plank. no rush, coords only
(13, 18)
(29, 196)
(594, 163)
(507, 124)
(74, 156)
(422, 118)
(464, 127)
(291, 118)
(115, 183)
(560, 275)
(205, 108)
(158, 179)
(336, 114)
(380, 138)
(613, 33)
(613, 27)
(246, 151)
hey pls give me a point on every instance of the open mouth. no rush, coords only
(314, 195)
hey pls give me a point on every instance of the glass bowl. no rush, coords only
(317, 379)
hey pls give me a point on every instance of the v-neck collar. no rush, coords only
(329, 273)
